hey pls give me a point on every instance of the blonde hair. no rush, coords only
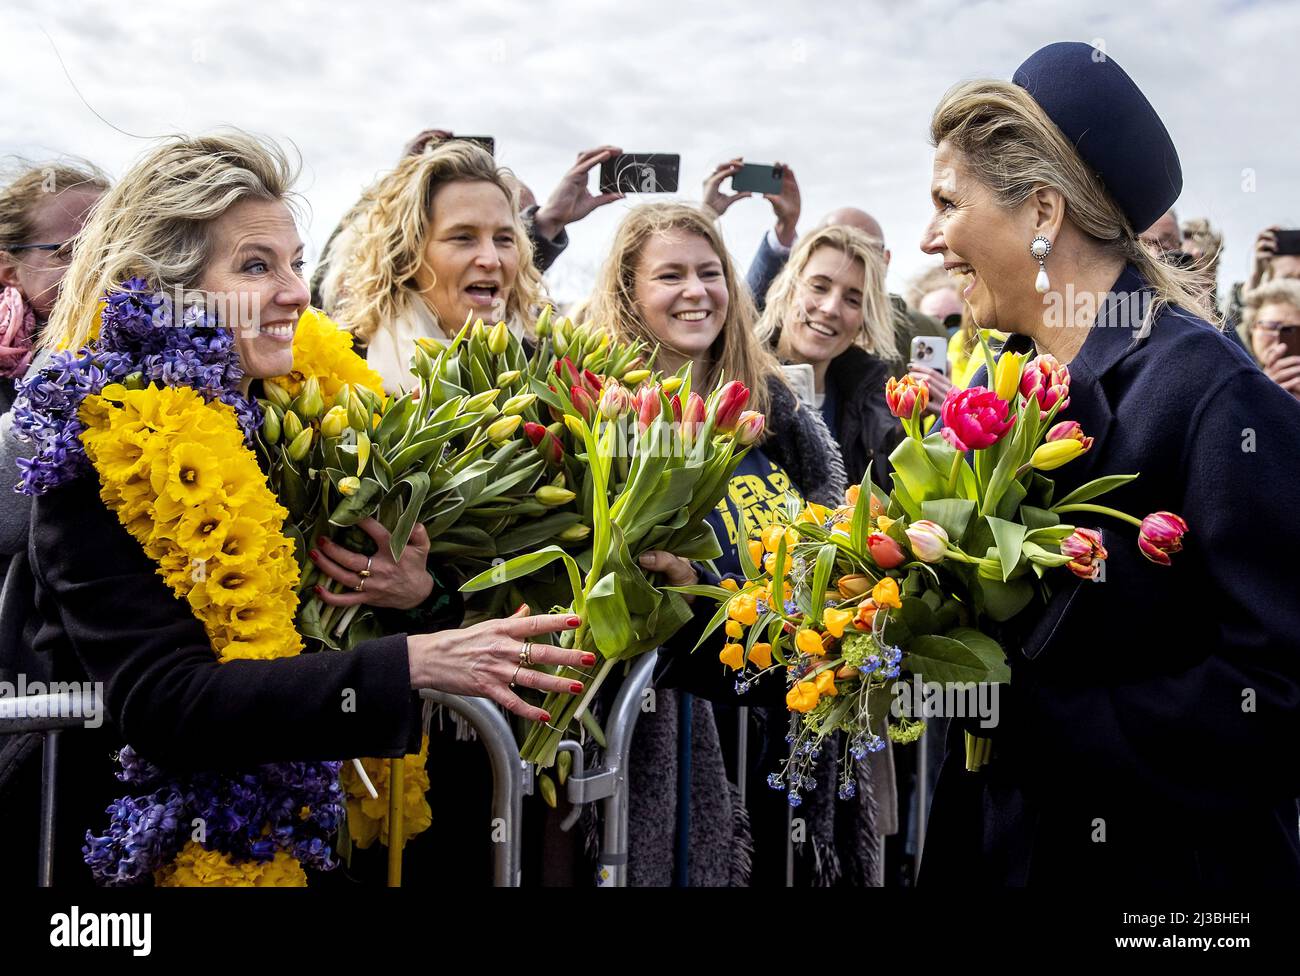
(876, 334)
(377, 263)
(1202, 233)
(736, 353)
(1013, 148)
(931, 279)
(32, 182)
(155, 223)
(1283, 291)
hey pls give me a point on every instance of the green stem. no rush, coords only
(955, 473)
(1099, 510)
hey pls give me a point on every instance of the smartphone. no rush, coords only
(1288, 241)
(801, 380)
(758, 178)
(931, 351)
(487, 142)
(640, 173)
(1289, 336)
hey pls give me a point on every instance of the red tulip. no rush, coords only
(974, 419)
(750, 427)
(568, 372)
(902, 395)
(1161, 534)
(593, 383)
(583, 402)
(1047, 381)
(731, 404)
(885, 551)
(692, 417)
(547, 442)
(648, 405)
(1086, 553)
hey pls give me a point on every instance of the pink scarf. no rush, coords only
(17, 325)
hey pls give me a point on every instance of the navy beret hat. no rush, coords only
(1111, 125)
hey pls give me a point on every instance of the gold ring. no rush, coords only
(516, 674)
(360, 586)
(365, 573)
(526, 655)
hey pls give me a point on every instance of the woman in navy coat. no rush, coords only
(1148, 734)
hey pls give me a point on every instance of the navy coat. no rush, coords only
(1148, 736)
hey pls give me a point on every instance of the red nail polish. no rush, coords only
(321, 540)
(318, 588)
(574, 622)
(575, 687)
(589, 659)
(314, 555)
(545, 717)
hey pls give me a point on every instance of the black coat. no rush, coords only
(108, 617)
(1159, 708)
(867, 431)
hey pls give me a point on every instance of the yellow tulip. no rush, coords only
(884, 522)
(1053, 454)
(733, 656)
(760, 655)
(730, 584)
(671, 385)
(809, 642)
(756, 552)
(1007, 375)
(885, 593)
(836, 620)
(851, 495)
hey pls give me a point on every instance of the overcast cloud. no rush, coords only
(842, 91)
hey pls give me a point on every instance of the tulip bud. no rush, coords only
(1161, 534)
(518, 403)
(671, 385)
(358, 412)
(498, 339)
(561, 344)
(852, 585)
(1006, 375)
(546, 441)
(334, 422)
(508, 378)
(363, 452)
(1046, 381)
(349, 486)
(906, 396)
(885, 551)
(1086, 553)
(1069, 430)
(929, 540)
(481, 401)
(749, 428)
(292, 426)
(543, 327)
(592, 383)
(430, 346)
(550, 496)
(730, 406)
(692, 417)
(500, 429)
(634, 376)
(575, 533)
(277, 394)
(478, 329)
(567, 372)
(583, 402)
(310, 404)
(301, 445)
(270, 426)
(1053, 454)
(648, 405)
(615, 400)
(575, 427)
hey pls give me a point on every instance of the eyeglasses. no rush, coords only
(61, 251)
(1276, 326)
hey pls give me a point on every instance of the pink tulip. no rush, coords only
(749, 428)
(974, 419)
(903, 395)
(1161, 534)
(1047, 381)
(731, 403)
(692, 418)
(1086, 553)
(615, 400)
(1069, 430)
(648, 405)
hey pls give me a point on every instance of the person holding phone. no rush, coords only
(1271, 330)
(669, 281)
(1276, 255)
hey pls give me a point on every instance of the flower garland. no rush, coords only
(368, 816)
(154, 409)
(318, 341)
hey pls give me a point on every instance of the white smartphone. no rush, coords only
(800, 378)
(931, 351)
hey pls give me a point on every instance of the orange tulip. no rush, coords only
(743, 609)
(802, 697)
(853, 585)
(760, 655)
(734, 630)
(866, 614)
(836, 620)
(730, 584)
(809, 642)
(825, 682)
(733, 656)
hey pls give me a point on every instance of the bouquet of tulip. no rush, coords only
(451, 454)
(656, 463)
(849, 599)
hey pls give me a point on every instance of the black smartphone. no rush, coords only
(1289, 336)
(486, 142)
(758, 178)
(1288, 241)
(640, 173)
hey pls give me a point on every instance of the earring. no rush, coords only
(1039, 248)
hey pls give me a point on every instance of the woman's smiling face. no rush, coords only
(681, 292)
(828, 307)
(983, 245)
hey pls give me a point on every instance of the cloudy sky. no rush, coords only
(842, 91)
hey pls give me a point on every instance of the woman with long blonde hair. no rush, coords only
(670, 282)
(828, 308)
(434, 242)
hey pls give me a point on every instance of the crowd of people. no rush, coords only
(450, 233)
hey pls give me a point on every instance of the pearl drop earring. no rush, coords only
(1039, 248)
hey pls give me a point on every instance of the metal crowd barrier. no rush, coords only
(48, 715)
(509, 774)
